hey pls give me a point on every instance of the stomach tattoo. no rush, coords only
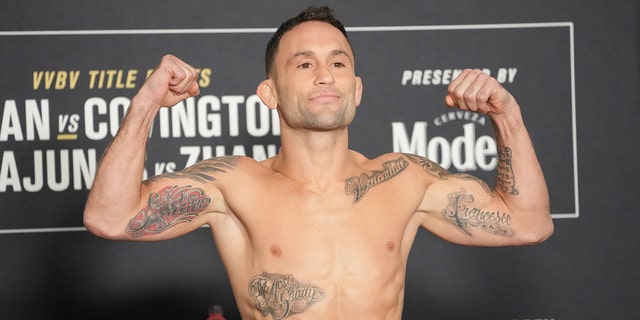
(282, 295)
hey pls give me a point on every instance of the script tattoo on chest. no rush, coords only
(282, 295)
(167, 208)
(359, 185)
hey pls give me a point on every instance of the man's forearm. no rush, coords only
(116, 187)
(520, 180)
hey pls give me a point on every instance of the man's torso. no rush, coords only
(292, 249)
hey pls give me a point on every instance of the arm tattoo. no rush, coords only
(506, 180)
(282, 295)
(167, 208)
(464, 216)
(202, 171)
(358, 185)
(440, 173)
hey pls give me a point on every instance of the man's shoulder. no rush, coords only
(228, 165)
(402, 159)
(230, 162)
(392, 164)
(365, 161)
(418, 166)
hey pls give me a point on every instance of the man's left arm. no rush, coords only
(519, 199)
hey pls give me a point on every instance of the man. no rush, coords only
(318, 231)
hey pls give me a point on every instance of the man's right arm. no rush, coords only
(118, 194)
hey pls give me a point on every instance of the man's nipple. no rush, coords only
(275, 250)
(391, 246)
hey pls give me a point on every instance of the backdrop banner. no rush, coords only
(70, 69)
(63, 103)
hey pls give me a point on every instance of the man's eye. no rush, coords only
(338, 65)
(305, 65)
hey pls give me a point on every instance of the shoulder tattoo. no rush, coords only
(428, 166)
(438, 172)
(281, 295)
(202, 171)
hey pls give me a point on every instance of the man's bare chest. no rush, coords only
(291, 226)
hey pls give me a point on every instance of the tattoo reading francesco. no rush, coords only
(464, 215)
(167, 208)
(282, 295)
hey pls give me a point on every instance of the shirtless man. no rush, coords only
(318, 231)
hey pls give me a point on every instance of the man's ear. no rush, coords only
(267, 93)
(359, 90)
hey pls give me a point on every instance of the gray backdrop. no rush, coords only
(69, 68)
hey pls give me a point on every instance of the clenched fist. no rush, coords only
(172, 81)
(476, 91)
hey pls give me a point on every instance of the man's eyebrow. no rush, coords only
(340, 52)
(309, 53)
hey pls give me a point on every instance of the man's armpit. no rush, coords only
(166, 208)
(282, 295)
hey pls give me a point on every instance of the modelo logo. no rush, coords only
(465, 152)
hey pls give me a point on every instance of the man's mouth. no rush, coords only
(325, 97)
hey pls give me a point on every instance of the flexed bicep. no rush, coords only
(177, 201)
(473, 217)
(516, 210)
(461, 208)
(168, 208)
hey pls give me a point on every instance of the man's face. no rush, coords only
(315, 83)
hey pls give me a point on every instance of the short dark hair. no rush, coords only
(324, 14)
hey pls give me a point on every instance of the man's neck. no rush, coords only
(315, 158)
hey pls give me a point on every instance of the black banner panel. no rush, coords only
(62, 106)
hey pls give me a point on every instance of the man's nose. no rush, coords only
(324, 75)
